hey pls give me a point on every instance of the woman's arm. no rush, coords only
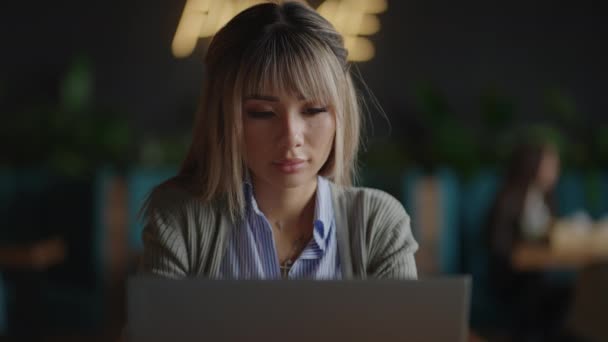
(381, 237)
(392, 254)
(165, 250)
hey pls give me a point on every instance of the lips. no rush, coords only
(290, 165)
(290, 161)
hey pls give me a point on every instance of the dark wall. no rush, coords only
(521, 47)
(127, 42)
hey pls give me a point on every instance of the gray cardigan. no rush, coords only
(184, 237)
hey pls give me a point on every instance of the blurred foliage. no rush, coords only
(77, 87)
(69, 135)
(72, 135)
(600, 144)
(439, 139)
(164, 151)
(381, 164)
(561, 106)
(497, 110)
(449, 142)
(453, 144)
(447, 139)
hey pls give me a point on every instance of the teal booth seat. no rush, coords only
(140, 182)
(7, 191)
(451, 237)
(595, 197)
(37, 204)
(601, 210)
(478, 195)
(570, 194)
(3, 318)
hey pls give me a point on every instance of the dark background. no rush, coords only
(522, 48)
(96, 111)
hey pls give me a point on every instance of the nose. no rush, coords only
(292, 130)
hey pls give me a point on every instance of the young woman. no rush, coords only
(524, 208)
(265, 190)
(524, 212)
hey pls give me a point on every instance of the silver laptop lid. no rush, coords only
(376, 310)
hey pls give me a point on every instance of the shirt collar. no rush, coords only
(323, 216)
(323, 213)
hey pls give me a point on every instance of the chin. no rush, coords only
(294, 182)
(282, 180)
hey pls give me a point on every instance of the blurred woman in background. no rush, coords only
(524, 212)
(524, 208)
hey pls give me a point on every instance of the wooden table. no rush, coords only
(536, 257)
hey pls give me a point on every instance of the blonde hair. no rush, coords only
(269, 46)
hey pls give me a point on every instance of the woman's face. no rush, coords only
(287, 138)
(548, 170)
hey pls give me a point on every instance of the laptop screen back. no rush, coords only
(376, 310)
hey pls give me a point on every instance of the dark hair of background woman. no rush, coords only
(503, 222)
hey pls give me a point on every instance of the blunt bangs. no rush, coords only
(293, 63)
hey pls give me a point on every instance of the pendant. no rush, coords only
(285, 268)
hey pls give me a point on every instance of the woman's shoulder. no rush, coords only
(374, 203)
(174, 197)
(175, 220)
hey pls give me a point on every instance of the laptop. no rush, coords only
(297, 310)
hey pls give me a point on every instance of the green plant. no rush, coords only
(449, 142)
(163, 151)
(70, 135)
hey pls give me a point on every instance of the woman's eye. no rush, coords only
(315, 110)
(260, 114)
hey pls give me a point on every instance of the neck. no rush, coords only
(286, 207)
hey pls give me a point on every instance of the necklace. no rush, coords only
(285, 267)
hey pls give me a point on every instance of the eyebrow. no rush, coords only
(268, 98)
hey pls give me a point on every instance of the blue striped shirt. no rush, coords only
(251, 251)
